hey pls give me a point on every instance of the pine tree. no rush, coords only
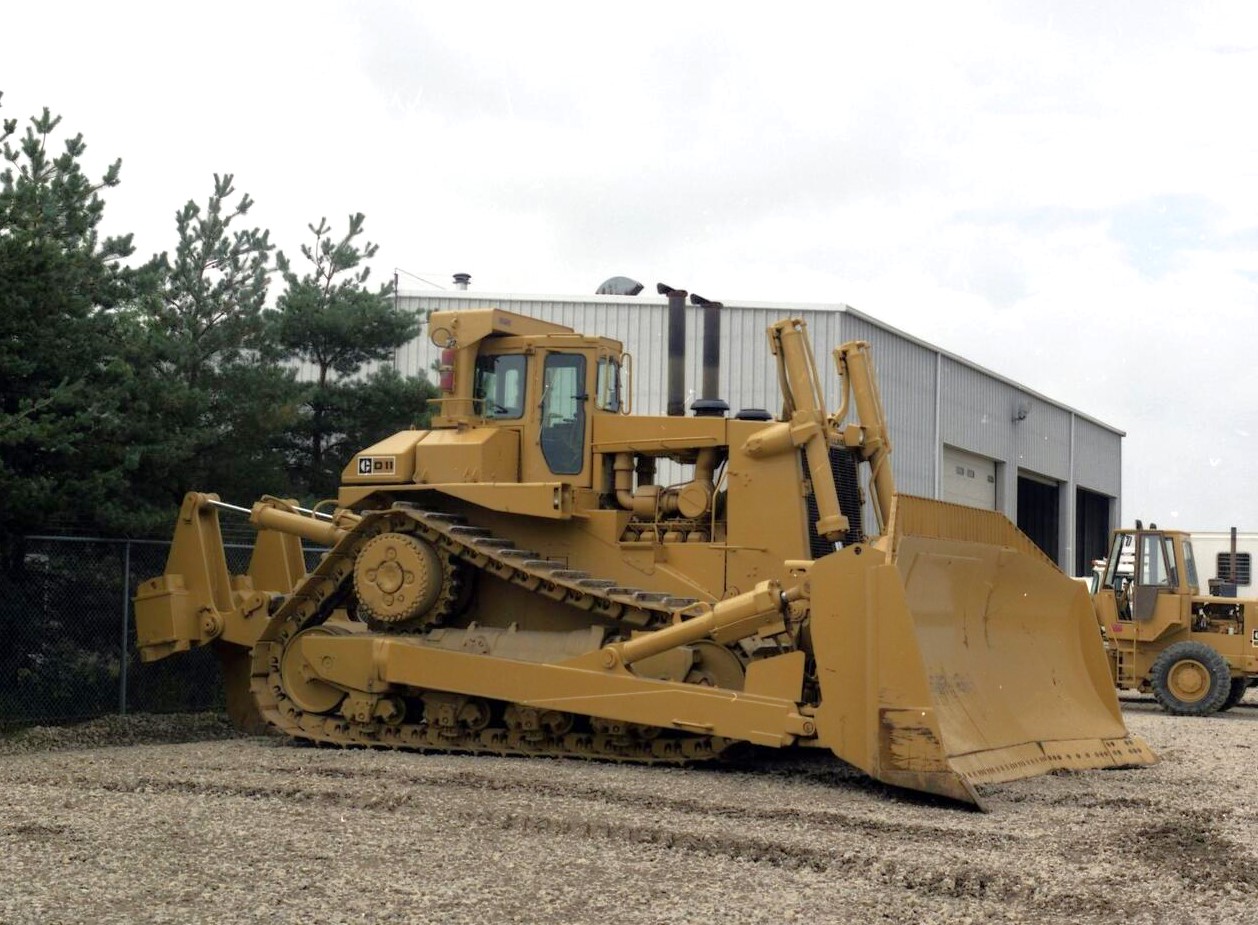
(217, 398)
(210, 313)
(329, 320)
(64, 421)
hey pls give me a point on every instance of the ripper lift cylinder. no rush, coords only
(804, 405)
(856, 366)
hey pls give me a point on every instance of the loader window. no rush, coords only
(1153, 567)
(1168, 554)
(1190, 565)
(499, 388)
(563, 412)
(1118, 571)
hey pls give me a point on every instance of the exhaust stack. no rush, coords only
(709, 404)
(676, 348)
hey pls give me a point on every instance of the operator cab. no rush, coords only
(541, 379)
(1145, 563)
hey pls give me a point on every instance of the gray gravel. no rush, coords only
(128, 821)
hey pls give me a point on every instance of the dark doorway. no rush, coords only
(1038, 512)
(1092, 529)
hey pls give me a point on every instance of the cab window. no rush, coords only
(499, 387)
(1190, 564)
(1168, 556)
(608, 386)
(1153, 568)
(1118, 571)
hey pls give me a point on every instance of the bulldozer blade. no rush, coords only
(955, 654)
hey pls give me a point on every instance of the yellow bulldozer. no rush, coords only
(1196, 653)
(516, 580)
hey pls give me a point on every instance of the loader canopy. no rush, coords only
(954, 653)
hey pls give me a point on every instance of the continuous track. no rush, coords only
(325, 589)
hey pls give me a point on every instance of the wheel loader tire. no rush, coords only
(1239, 686)
(1190, 679)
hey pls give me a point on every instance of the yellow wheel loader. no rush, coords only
(516, 580)
(1195, 653)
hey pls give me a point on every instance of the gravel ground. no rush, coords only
(175, 820)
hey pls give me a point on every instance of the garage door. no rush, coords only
(968, 479)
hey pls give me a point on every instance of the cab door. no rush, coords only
(1156, 603)
(561, 424)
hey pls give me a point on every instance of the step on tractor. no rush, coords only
(1196, 653)
(516, 580)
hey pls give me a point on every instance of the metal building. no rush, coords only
(959, 432)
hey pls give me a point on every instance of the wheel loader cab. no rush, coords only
(1149, 578)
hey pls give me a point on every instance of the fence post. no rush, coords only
(126, 613)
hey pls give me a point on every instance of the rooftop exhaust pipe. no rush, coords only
(461, 280)
(676, 348)
(709, 404)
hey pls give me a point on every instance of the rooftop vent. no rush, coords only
(619, 285)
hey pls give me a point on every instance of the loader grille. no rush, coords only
(843, 468)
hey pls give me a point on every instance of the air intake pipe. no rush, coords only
(691, 500)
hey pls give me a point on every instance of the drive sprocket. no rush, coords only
(404, 584)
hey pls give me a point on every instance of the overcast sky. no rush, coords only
(1065, 193)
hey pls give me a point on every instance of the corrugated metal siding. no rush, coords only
(1098, 458)
(748, 370)
(976, 415)
(1042, 438)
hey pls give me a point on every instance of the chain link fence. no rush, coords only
(67, 640)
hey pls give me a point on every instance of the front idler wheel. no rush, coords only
(301, 680)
